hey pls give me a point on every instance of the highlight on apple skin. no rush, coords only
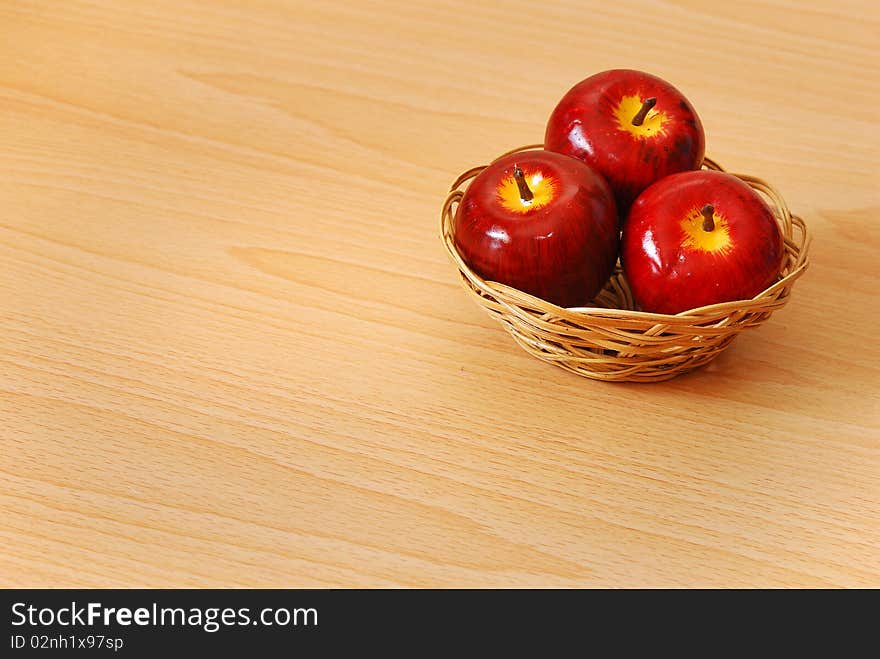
(699, 238)
(632, 127)
(541, 222)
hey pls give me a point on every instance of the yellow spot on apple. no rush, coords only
(543, 192)
(629, 107)
(696, 238)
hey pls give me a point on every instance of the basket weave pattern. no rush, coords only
(612, 340)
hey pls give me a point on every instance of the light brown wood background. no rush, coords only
(233, 351)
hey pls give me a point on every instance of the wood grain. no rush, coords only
(234, 353)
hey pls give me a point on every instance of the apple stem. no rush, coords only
(708, 213)
(648, 103)
(524, 192)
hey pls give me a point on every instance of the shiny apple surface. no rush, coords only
(674, 261)
(594, 122)
(560, 245)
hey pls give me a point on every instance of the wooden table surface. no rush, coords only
(233, 351)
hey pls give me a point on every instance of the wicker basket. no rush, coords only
(611, 340)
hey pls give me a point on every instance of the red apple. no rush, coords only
(541, 222)
(698, 238)
(631, 127)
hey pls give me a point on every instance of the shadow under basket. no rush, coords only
(613, 341)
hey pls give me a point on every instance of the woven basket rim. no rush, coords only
(796, 237)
